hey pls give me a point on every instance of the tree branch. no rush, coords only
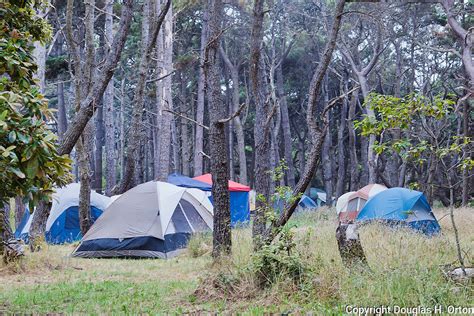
(186, 118)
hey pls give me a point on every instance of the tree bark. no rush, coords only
(166, 102)
(237, 123)
(261, 133)
(341, 133)
(19, 210)
(199, 137)
(5, 230)
(326, 153)
(350, 247)
(354, 161)
(185, 144)
(222, 241)
(99, 143)
(286, 129)
(108, 105)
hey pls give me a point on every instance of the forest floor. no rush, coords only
(405, 271)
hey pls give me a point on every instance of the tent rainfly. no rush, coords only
(152, 220)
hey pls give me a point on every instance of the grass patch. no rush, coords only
(405, 270)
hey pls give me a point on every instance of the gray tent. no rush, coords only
(152, 220)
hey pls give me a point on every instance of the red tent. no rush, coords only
(233, 186)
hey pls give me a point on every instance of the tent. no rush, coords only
(152, 220)
(62, 225)
(23, 228)
(349, 204)
(318, 196)
(305, 204)
(402, 207)
(187, 182)
(239, 200)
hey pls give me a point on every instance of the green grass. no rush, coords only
(405, 270)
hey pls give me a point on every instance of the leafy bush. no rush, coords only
(278, 260)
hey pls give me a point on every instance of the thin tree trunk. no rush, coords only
(341, 133)
(199, 137)
(185, 144)
(237, 123)
(285, 126)
(19, 210)
(326, 153)
(354, 161)
(62, 112)
(99, 143)
(108, 105)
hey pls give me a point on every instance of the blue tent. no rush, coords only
(23, 228)
(239, 200)
(305, 204)
(401, 206)
(187, 182)
(62, 225)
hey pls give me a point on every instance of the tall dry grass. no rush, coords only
(405, 267)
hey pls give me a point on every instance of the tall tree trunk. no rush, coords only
(199, 137)
(166, 103)
(19, 210)
(285, 126)
(99, 143)
(185, 144)
(354, 161)
(5, 229)
(219, 165)
(341, 133)
(108, 105)
(85, 145)
(237, 123)
(261, 128)
(62, 112)
(326, 153)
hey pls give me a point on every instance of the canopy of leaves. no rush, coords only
(29, 163)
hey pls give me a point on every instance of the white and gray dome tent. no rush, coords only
(152, 220)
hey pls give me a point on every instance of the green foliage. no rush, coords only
(278, 260)
(403, 115)
(29, 163)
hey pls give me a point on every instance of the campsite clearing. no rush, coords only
(406, 271)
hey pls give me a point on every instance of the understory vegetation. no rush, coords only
(306, 274)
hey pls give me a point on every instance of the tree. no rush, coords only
(30, 164)
(87, 109)
(222, 241)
